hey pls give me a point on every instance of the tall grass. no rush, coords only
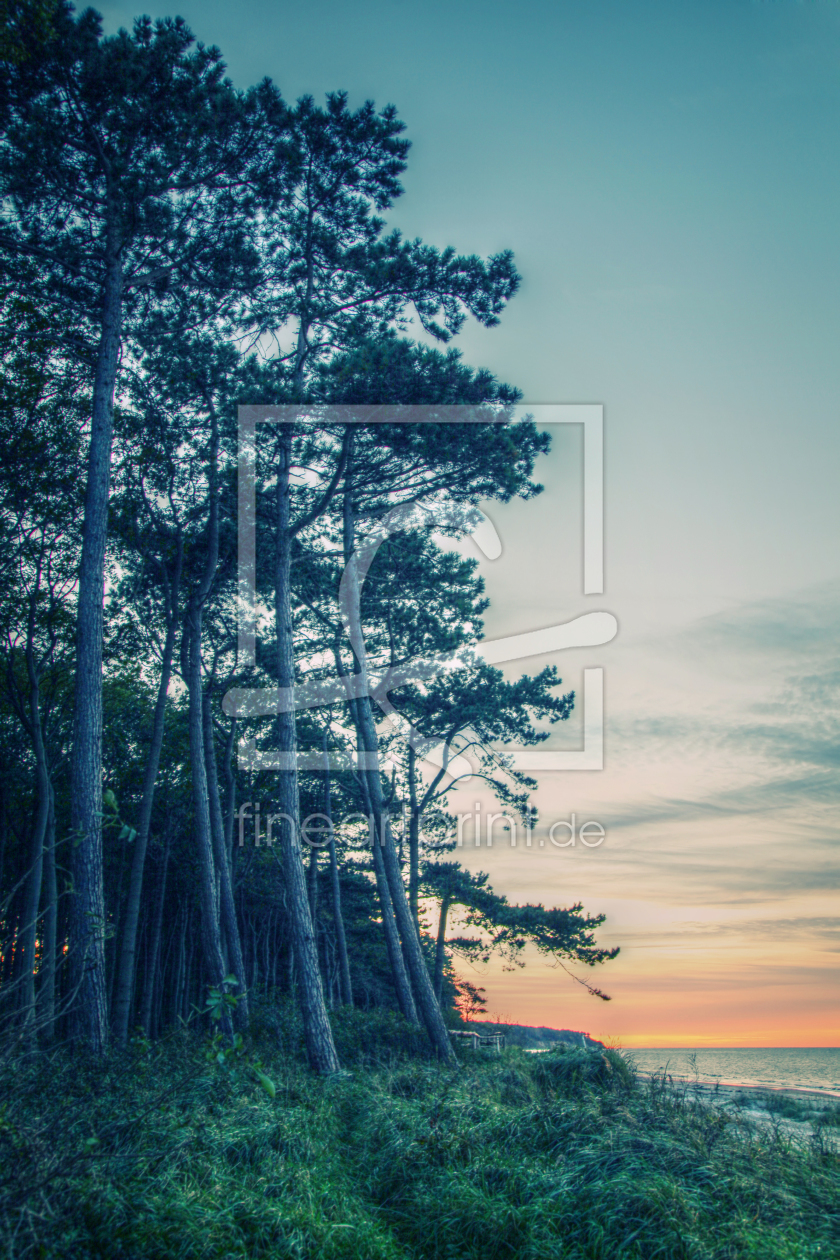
(161, 1154)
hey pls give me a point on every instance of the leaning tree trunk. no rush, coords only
(413, 840)
(429, 1009)
(383, 840)
(88, 1014)
(127, 962)
(399, 972)
(320, 1047)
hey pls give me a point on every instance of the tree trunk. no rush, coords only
(227, 905)
(112, 956)
(383, 840)
(320, 1047)
(402, 983)
(345, 984)
(4, 825)
(209, 874)
(312, 879)
(180, 970)
(25, 953)
(46, 993)
(440, 947)
(127, 962)
(413, 840)
(230, 784)
(420, 981)
(210, 934)
(154, 943)
(88, 1014)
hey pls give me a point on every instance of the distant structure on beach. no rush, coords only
(536, 1038)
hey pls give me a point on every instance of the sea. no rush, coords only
(812, 1069)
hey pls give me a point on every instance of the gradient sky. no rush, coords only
(668, 177)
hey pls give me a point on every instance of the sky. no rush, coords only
(668, 178)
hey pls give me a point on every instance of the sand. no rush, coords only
(748, 1104)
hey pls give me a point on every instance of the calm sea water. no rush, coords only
(817, 1068)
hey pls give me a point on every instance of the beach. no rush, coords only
(799, 1113)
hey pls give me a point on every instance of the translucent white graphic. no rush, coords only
(591, 629)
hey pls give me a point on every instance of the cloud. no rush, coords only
(751, 696)
(779, 928)
(795, 628)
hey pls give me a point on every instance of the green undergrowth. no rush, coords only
(160, 1152)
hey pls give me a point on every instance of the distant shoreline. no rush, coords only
(719, 1049)
(715, 1087)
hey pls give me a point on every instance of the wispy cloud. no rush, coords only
(757, 701)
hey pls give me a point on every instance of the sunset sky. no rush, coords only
(667, 175)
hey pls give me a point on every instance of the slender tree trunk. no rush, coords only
(399, 972)
(255, 959)
(25, 954)
(345, 984)
(12, 918)
(413, 840)
(128, 952)
(192, 980)
(4, 824)
(203, 823)
(112, 944)
(180, 973)
(314, 910)
(332, 972)
(162, 996)
(440, 947)
(302, 347)
(154, 943)
(428, 1007)
(320, 1047)
(266, 936)
(89, 1016)
(227, 904)
(230, 784)
(312, 878)
(210, 934)
(46, 994)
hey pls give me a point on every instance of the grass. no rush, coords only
(158, 1153)
(788, 1107)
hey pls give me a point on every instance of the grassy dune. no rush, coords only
(164, 1154)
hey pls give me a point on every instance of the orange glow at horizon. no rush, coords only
(672, 988)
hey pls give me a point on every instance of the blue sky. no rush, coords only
(668, 177)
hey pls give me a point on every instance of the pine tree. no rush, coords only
(123, 164)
